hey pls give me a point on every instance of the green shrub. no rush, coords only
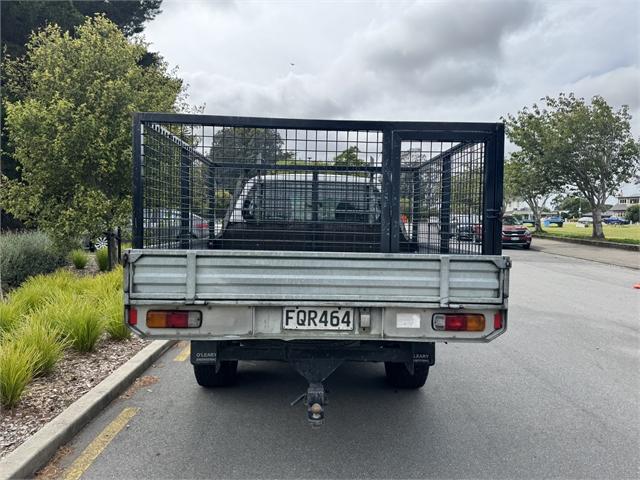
(38, 290)
(633, 213)
(16, 371)
(43, 336)
(79, 321)
(10, 315)
(25, 255)
(102, 259)
(79, 258)
(113, 316)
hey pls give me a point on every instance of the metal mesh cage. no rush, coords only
(205, 182)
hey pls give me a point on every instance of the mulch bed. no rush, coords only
(73, 376)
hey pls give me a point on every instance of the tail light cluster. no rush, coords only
(168, 318)
(464, 322)
(456, 322)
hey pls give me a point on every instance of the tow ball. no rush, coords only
(315, 371)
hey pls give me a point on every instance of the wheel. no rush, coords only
(100, 243)
(526, 246)
(206, 375)
(398, 375)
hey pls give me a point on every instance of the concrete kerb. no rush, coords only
(34, 454)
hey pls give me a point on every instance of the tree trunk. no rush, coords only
(598, 233)
(536, 216)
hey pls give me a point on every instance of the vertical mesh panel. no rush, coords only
(441, 195)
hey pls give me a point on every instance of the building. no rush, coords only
(628, 195)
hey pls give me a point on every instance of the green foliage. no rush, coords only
(633, 213)
(20, 19)
(223, 200)
(573, 205)
(582, 147)
(79, 321)
(523, 180)
(102, 259)
(26, 254)
(50, 313)
(40, 333)
(79, 258)
(10, 316)
(16, 371)
(75, 117)
(37, 291)
(349, 158)
(113, 316)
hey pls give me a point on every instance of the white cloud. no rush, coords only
(464, 61)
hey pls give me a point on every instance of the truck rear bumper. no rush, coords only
(245, 322)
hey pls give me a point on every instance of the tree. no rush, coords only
(236, 153)
(633, 213)
(582, 148)
(21, 18)
(573, 205)
(526, 174)
(524, 181)
(591, 149)
(349, 158)
(72, 130)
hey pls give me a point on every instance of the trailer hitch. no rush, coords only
(315, 371)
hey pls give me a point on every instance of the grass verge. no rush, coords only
(628, 234)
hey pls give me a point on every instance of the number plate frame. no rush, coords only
(332, 319)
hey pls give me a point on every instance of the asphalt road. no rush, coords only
(557, 396)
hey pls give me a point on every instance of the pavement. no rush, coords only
(611, 256)
(558, 395)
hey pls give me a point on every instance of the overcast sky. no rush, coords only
(399, 60)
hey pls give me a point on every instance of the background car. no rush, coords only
(616, 221)
(585, 220)
(553, 220)
(514, 233)
(469, 233)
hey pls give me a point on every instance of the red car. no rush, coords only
(515, 233)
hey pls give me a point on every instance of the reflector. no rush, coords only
(133, 316)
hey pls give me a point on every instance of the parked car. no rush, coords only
(514, 233)
(585, 220)
(553, 220)
(616, 221)
(469, 233)
(165, 224)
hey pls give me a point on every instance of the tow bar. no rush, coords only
(315, 371)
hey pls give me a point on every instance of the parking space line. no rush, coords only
(95, 448)
(184, 354)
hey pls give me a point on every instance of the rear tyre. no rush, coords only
(527, 246)
(398, 375)
(206, 375)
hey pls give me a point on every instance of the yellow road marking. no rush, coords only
(99, 443)
(184, 354)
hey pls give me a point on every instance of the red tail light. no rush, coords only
(465, 322)
(201, 225)
(497, 321)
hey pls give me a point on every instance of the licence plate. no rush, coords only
(298, 318)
